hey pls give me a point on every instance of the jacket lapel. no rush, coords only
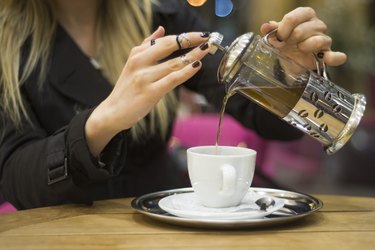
(72, 74)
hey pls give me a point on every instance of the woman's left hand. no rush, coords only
(300, 34)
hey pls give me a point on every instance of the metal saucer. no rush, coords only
(297, 205)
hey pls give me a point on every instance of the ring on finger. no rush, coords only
(152, 42)
(180, 41)
(185, 60)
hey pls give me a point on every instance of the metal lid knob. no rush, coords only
(215, 39)
(232, 60)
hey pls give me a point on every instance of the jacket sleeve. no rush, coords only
(180, 17)
(41, 170)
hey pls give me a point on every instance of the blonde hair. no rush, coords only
(120, 20)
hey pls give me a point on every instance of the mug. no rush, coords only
(220, 175)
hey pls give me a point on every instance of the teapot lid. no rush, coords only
(229, 65)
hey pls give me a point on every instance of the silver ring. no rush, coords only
(180, 41)
(185, 60)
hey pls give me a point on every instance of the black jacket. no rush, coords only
(49, 163)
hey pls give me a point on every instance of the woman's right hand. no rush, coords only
(142, 84)
(300, 34)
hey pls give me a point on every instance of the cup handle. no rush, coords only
(229, 174)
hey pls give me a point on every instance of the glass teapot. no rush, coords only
(304, 98)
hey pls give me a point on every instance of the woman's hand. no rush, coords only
(144, 80)
(300, 34)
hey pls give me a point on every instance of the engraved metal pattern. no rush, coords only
(323, 110)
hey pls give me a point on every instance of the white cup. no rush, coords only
(220, 175)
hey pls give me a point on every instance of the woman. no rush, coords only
(87, 104)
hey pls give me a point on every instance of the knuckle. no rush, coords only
(322, 26)
(318, 42)
(171, 43)
(131, 64)
(134, 50)
(290, 18)
(328, 38)
(174, 64)
(310, 11)
(298, 33)
(135, 59)
(328, 41)
(173, 78)
(322, 42)
(138, 76)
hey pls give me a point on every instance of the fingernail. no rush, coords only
(203, 46)
(320, 55)
(205, 34)
(196, 64)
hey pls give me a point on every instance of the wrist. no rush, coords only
(100, 128)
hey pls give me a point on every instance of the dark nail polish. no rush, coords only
(203, 46)
(205, 34)
(320, 55)
(196, 64)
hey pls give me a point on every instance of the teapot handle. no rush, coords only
(320, 65)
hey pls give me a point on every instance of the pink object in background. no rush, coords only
(201, 129)
(6, 208)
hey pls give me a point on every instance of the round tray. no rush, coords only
(297, 205)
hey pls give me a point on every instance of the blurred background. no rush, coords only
(301, 165)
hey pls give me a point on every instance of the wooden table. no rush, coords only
(344, 223)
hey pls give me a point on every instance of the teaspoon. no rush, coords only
(265, 202)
